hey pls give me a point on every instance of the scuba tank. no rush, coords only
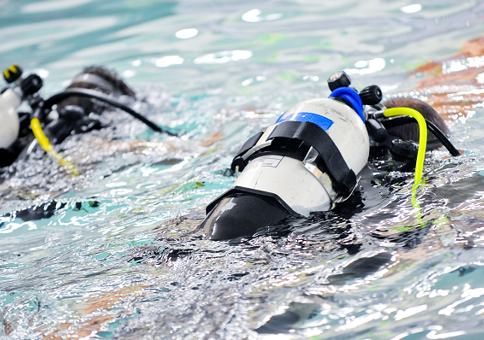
(14, 126)
(10, 100)
(307, 161)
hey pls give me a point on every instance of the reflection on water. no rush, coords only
(223, 57)
(187, 33)
(367, 67)
(118, 253)
(254, 15)
(50, 6)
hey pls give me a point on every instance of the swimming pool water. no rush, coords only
(119, 255)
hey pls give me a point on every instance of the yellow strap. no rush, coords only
(45, 144)
(422, 142)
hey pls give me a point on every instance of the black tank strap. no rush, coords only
(249, 144)
(310, 133)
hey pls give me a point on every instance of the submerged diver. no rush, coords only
(309, 160)
(76, 111)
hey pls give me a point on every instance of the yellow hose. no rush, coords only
(422, 147)
(422, 142)
(45, 144)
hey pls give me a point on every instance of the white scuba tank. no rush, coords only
(306, 162)
(9, 120)
(300, 184)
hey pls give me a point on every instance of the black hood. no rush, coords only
(242, 215)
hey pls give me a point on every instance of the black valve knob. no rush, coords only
(371, 95)
(12, 73)
(31, 84)
(339, 79)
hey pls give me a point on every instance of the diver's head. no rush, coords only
(73, 112)
(100, 79)
(410, 132)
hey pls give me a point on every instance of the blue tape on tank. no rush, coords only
(352, 97)
(321, 121)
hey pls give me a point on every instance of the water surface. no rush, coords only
(117, 253)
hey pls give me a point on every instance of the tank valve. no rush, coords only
(339, 79)
(12, 74)
(371, 95)
(31, 84)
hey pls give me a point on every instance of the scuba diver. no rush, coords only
(77, 110)
(309, 160)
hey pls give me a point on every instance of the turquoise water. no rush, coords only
(118, 254)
